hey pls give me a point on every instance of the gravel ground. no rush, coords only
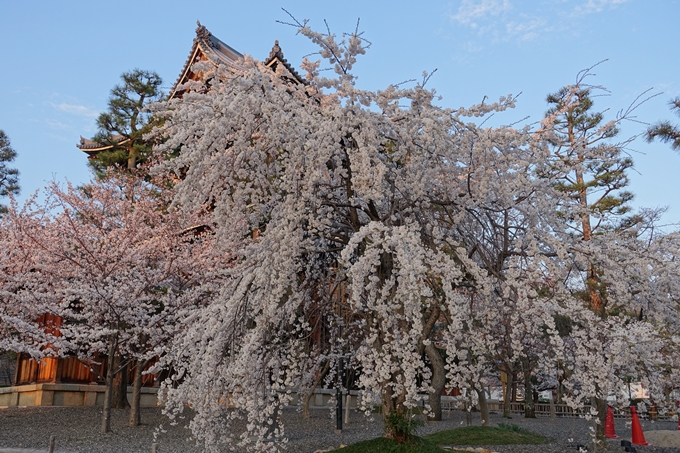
(76, 429)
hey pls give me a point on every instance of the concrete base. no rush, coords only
(65, 395)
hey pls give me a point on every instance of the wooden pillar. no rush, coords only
(58, 368)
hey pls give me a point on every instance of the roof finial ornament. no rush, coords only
(276, 52)
(201, 31)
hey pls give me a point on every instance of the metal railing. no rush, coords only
(561, 410)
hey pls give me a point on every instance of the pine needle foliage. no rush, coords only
(126, 122)
(665, 131)
(9, 177)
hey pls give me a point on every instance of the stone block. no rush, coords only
(69, 398)
(44, 398)
(26, 398)
(90, 399)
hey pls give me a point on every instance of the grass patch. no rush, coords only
(504, 434)
(486, 435)
(382, 445)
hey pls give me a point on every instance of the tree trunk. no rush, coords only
(438, 382)
(119, 396)
(305, 403)
(483, 406)
(601, 405)
(106, 412)
(513, 395)
(135, 413)
(310, 393)
(394, 410)
(507, 397)
(529, 408)
(132, 157)
(468, 409)
(552, 404)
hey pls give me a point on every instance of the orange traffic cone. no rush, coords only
(609, 431)
(638, 435)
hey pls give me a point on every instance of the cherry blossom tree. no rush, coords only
(322, 183)
(115, 268)
(24, 295)
(391, 215)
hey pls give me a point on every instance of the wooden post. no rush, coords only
(349, 398)
(338, 411)
(154, 447)
(53, 439)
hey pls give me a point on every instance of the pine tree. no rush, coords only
(665, 131)
(9, 177)
(590, 171)
(125, 123)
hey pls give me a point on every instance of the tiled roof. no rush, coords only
(214, 50)
(220, 53)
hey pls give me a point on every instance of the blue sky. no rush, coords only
(61, 58)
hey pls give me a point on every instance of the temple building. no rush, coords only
(205, 48)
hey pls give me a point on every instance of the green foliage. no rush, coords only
(9, 177)
(563, 324)
(126, 122)
(503, 434)
(382, 445)
(404, 426)
(588, 166)
(513, 427)
(665, 131)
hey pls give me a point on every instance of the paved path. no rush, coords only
(34, 450)
(30, 450)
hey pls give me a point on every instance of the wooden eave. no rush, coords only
(92, 148)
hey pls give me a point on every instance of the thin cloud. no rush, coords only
(483, 23)
(79, 110)
(596, 6)
(498, 21)
(471, 12)
(527, 29)
(58, 125)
